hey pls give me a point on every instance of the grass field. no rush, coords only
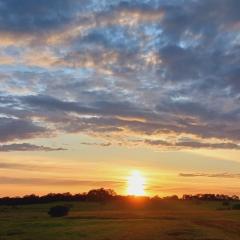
(180, 220)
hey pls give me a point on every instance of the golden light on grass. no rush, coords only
(136, 184)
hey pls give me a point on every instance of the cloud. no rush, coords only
(110, 108)
(13, 129)
(106, 116)
(193, 144)
(211, 175)
(25, 16)
(96, 144)
(57, 182)
(132, 70)
(26, 147)
(25, 167)
(227, 145)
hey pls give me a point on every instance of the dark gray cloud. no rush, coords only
(14, 129)
(199, 111)
(26, 147)
(223, 145)
(134, 67)
(193, 144)
(26, 16)
(109, 108)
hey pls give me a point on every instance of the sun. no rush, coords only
(136, 184)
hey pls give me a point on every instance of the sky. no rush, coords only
(92, 90)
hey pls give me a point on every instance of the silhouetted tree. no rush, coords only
(103, 195)
(173, 197)
(100, 195)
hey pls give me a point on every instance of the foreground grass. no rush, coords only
(179, 220)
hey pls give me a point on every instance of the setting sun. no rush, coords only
(136, 184)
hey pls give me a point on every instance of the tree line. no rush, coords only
(105, 195)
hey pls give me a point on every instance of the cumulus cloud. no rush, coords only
(138, 69)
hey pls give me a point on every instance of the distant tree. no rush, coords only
(103, 195)
(210, 197)
(100, 195)
(155, 198)
(235, 198)
(58, 211)
(173, 197)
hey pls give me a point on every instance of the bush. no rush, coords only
(236, 206)
(58, 211)
(225, 203)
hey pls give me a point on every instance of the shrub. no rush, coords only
(225, 203)
(236, 206)
(58, 211)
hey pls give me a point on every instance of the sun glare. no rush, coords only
(136, 184)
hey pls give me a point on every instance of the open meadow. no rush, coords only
(168, 220)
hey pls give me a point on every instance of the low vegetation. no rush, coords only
(58, 211)
(118, 218)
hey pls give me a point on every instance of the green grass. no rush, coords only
(92, 221)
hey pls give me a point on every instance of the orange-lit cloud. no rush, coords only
(104, 77)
